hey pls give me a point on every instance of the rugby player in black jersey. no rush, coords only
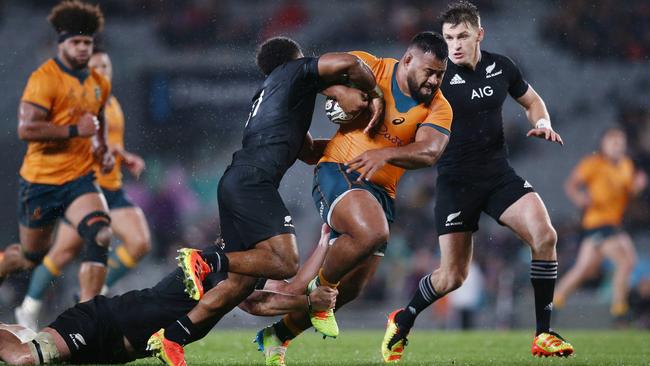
(256, 228)
(115, 330)
(475, 176)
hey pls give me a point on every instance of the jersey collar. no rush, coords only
(402, 102)
(80, 75)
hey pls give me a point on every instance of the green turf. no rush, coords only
(425, 348)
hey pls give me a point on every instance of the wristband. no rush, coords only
(376, 92)
(543, 123)
(309, 303)
(73, 131)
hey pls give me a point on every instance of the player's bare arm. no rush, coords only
(312, 150)
(427, 148)
(100, 146)
(331, 68)
(351, 100)
(575, 190)
(272, 303)
(537, 114)
(33, 125)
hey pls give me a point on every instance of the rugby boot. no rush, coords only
(269, 343)
(195, 269)
(392, 347)
(323, 320)
(170, 353)
(551, 344)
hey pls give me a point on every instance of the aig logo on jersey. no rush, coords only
(485, 91)
(288, 222)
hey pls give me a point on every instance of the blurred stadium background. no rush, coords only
(185, 74)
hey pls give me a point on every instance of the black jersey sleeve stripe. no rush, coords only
(436, 127)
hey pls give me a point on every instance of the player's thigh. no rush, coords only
(84, 205)
(355, 281)
(459, 203)
(619, 249)
(529, 219)
(589, 258)
(455, 253)
(37, 239)
(252, 207)
(350, 207)
(67, 245)
(130, 225)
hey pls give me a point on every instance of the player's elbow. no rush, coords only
(25, 133)
(431, 155)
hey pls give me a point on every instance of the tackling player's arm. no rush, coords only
(425, 151)
(344, 68)
(33, 125)
(100, 145)
(538, 116)
(312, 150)
(272, 303)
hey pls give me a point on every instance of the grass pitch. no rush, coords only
(355, 347)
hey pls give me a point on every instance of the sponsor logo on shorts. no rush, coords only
(288, 222)
(76, 337)
(527, 185)
(549, 307)
(321, 209)
(456, 80)
(451, 218)
(37, 214)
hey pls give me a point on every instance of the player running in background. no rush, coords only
(475, 176)
(257, 231)
(127, 220)
(116, 329)
(61, 116)
(356, 179)
(601, 185)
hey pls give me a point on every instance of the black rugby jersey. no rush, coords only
(141, 313)
(280, 117)
(476, 145)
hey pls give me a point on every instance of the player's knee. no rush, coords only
(373, 238)
(96, 232)
(290, 267)
(546, 240)
(451, 281)
(139, 246)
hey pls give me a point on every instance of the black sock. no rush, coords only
(181, 331)
(282, 331)
(543, 275)
(424, 296)
(216, 259)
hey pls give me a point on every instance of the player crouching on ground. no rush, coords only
(115, 330)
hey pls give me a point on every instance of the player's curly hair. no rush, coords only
(76, 18)
(431, 42)
(461, 12)
(275, 51)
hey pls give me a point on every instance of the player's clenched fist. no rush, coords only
(88, 125)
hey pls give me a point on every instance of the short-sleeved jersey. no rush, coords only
(477, 145)
(66, 95)
(280, 117)
(403, 116)
(115, 122)
(609, 185)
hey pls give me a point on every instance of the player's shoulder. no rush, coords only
(291, 68)
(440, 103)
(100, 79)
(498, 59)
(47, 69)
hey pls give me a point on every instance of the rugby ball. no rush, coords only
(336, 114)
